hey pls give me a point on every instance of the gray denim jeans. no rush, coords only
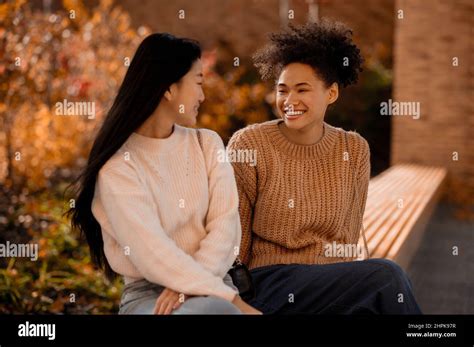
(139, 297)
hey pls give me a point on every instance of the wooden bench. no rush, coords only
(399, 205)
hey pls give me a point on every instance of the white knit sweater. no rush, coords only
(169, 212)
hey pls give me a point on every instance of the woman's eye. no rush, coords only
(303, 90)
(281, 92)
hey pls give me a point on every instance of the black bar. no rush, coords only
(290, 329)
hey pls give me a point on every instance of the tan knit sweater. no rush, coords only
(297, 198)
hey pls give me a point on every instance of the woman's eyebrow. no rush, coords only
(296, 85)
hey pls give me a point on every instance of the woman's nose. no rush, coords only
(291, 101)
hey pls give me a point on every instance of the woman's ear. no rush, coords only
(333, 93)
(170, 92)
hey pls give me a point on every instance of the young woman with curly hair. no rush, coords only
(307, 193)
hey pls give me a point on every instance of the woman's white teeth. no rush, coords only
(294, 113)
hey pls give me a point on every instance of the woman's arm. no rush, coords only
(246, 178)
(218, 249)
(136, 225)
(362, 186)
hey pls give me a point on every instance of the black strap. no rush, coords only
(200, 140)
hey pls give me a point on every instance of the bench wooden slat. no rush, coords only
(385, 188)
(390, 201)
(388, 204)
(380, 241)
(393, 232)
(390, 232)
(392, 182)
(410, 236)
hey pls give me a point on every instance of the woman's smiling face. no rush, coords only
(302, 97)
(189, 95)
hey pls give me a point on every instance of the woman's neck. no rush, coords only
(157, 126)
(309, 135)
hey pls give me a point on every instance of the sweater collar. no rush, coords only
(155, 145)
(294, 150)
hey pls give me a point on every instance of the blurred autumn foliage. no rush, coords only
(47, 58)
(234, 98)
(76, 54)
(62, 280)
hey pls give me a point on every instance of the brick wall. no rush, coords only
(244, 24)
(426, 40)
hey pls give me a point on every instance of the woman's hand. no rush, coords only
(244, 307)
(168, 301)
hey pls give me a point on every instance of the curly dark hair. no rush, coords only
(325, 46)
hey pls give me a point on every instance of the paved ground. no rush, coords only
(444, 283)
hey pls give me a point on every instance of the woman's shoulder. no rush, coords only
(208, 136)
(356, 142)
(121, 163)
(253, 134)
(208, 133)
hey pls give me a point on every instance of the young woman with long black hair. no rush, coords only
(153, 201)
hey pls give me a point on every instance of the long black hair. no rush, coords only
(160, 60)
